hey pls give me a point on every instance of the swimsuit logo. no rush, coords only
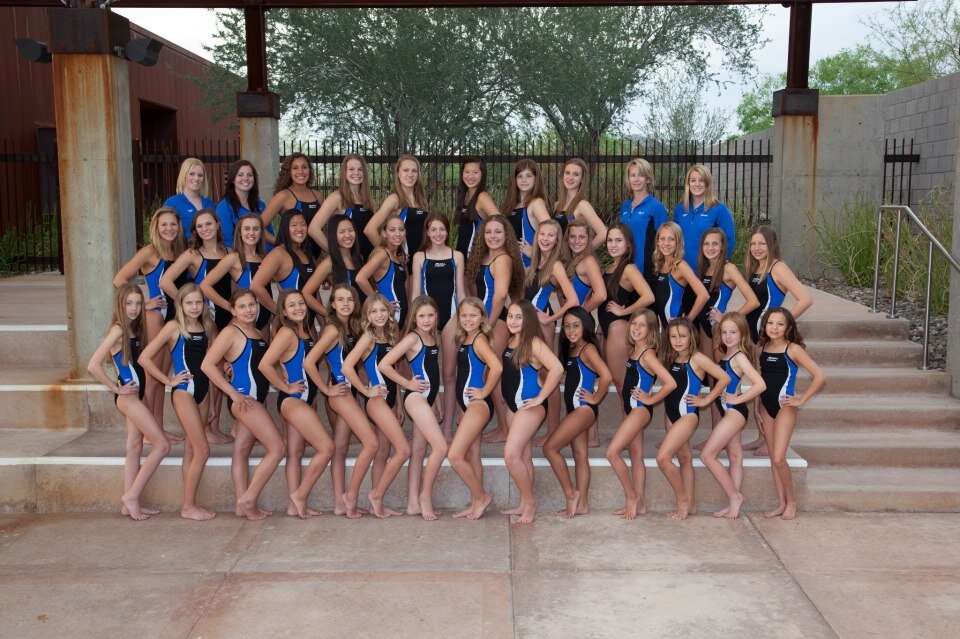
(771, 358)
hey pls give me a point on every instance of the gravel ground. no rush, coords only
(910, 308)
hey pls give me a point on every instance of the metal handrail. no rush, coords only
(900, 209)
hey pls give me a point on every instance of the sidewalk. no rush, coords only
(822, 575)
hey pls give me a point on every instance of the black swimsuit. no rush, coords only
(438, 279)
(623, 297)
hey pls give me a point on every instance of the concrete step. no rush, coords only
(33, 345)
(868, 326)
(863, 412)
(872, 489)
(86, 474)
(914, 449)
(865, 353)
(846, 380)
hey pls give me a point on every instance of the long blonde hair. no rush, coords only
(347, 190)
(658, 257)
(751, 266)
(177, 246)
(419, 192)
(419, 302)
(570, 206)
(703, 264)
(397, 253)
(709, 198)
(653, 328)
(738, 320)
(567, 256)
(205, 321)
(390, 330)
(485, 329)
(185, 168)
(131, 328)
(546, 272)
(529, 331)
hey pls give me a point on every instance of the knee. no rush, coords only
(374, 447)
(326, 449)
(684, 456)
(276, 451)
(735, 457)
(664, 460)
(442, 450)
(202, 450)
(457, 456)
(581, 456)
(340, 448)
(135, 447)
(419, 448)
(402, 451)
(611, 454)
(163, 448)
(779, 461)
(708, 456)
(512, 457)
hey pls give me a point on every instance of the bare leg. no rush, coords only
(466, 442)
(553, 405)
(631, 429)
(306, 422)
(448, 368)
(256, 420)
(240, 465)
(131, 465)
(522, 427)
(392, 434)
(678, 437)
(195, 454)
(418, 452)
(726, 430)
(296, 446)
(780, 433)
(499, 434)
(569, 429)
(154, 392)
(616, 356)
(383, 450)
(338, 468)
(581, 459)
(141, 417)
(346, 406)
(425, 423)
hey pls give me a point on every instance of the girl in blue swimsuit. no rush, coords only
(290, 264)
(525, 204)
(353, 199)
(386, 269)
(583, 267)
(294, 190)
(342, 265)
(122, 345)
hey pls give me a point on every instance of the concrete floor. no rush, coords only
(822, 575)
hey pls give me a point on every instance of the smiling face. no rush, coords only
(194, 181)
(494, 235)
(168, 226)
(616, 243)
(514, 319)
(300, 171)
(776, 326)
(295, 308)
(758, 247)
(378, 314)
(426, 318)
(471, 174)
(297, 229)
(697, 184)
(437, 233)
(666, 242)
(408, 173)
(395, 232)
(547, 238)
(244, 180)
(525, 181)
(638, 181)
(679, 338)
(730, 335)
(206, 226)
(250, 231)
(572, 328)
(346, 234)
(711, 246)
(469, 317)
(343, 303)
(133, 305)
(245, 308)
(639, 329)
(572, 177)
(578, 238)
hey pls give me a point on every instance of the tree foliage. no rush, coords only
(402, 76)
(679, 110)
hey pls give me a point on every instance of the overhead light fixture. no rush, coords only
(33, 50)
(145, 51)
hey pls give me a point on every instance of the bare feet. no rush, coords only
(762, 450)
(722, 513)
(594, 443)
(173, 438)
(480, 507)
(699, 447)
(755, 444)
(196, 513)
(351, 507)
(250, 510)
(300, 508)
(582, 508)
(516, 510)
(390, 512)
(239, 512)
(463, 513)
(790, 512)
(776, 512)
(527, 513)
(414, 509)
(735, 504)
(426, 508)
(216, 437)
(146, 511)
(132, 505)
(571, 510)
(539, 441)
(692, 508)
(629, 511)
(495, 437)
(376, 506)
(683, 509)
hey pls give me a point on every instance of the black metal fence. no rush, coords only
(898, 161)
(29, 210)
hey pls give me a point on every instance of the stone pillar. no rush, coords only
(793, 175)
(259, 113)
(953, 317)
(92, 102)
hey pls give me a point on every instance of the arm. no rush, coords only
(588, 213)
(667, 383)
(311, 289)
(703, 296)
(538, 211)
(800, 356)
(459, 260)
(312, 359)
(388, 364)
(554, 368)
(416, 267)
(210, 366)
(734, 279)
(175, 270)
(757, 385)
(494, 368)
(598, 294)
(330, 206)
(632, 274)
(377, 259)
(486, 206)
(591, 356)
(372, 229)
(721, 379)
(95, 365)
(566, 288)
(278, 203)
(725, 222)
(279, 347)
(130, 270)
(501, 272)
(163, 340)
(787, 281)
(264, 275)
(227, 265)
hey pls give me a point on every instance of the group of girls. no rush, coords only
(406, 309)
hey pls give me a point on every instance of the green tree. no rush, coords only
(920, 40)
(678, 110)
(755, 111)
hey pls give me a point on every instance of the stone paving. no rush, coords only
(822, 575)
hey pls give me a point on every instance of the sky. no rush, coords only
(835, 27)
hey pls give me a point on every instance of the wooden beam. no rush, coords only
(255, 23)
(364, 4)
(798, 46)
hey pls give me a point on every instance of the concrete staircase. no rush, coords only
(883, 436)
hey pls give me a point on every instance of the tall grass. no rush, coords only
(847, 237)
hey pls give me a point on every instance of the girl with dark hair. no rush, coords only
(187, 338)
(572, 201)
(386, 269)
(408, 201)
(474, 204)
(290, 264)
(438, 273)
(293, 338)
(526, 354)
(342, 263)
(122, 344)
(782, 354)
(720, 278)
(638, 400)
(242, 196)
(585, 387)
(689, 368)
(353, 198)
(241, 264)
(525, 204)
(293, 190)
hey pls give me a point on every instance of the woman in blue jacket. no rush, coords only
(193, 192)
(643, 213)
(700, 210)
